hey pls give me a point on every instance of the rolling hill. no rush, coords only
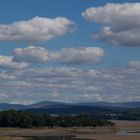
(104, 110)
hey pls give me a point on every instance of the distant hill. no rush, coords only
(109, 104)
(61, 105)
(48, 104)
(6, 106)
(51, 104)
(103, 110)
(39, 105)
(70, 109)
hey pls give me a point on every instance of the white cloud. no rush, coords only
(24, 57)
(18, 84)
(83, 55)
(6, 62)
(30, 54)
(52, 72)
(121, 23)
(72, 84)
(134, 64)
(3, 97)
(128, 38)
(5, 76)
(36, 29)
(91, 73)
(118, 16)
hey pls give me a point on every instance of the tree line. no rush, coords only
(24, 119)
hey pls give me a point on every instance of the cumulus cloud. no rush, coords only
(24, 57)
(5, 76)
(36, 29)
(134, 63)
(73, 84)
(83, 55)
(6, 62)
(129, 38)
(30, 54)
(121, 23)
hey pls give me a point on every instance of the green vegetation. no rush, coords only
(108, 113)
(23, 119)
(130, 114)
(119, 114)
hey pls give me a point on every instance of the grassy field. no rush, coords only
(100, 133)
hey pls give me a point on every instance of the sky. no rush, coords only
(69, 51)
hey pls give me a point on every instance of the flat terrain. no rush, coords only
(127, 124)
(122, 126)
(101, 133)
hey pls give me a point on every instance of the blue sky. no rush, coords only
(64, 51)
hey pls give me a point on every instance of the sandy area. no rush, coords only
(127, 124)
(122, 125)
(101, 133)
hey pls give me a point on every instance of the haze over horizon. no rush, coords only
(69, 51)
